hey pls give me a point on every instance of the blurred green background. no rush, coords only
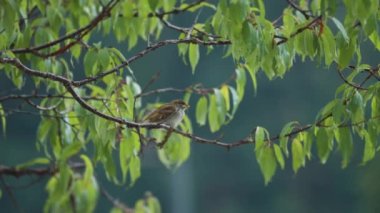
(214, 179)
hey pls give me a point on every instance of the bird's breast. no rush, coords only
(175, 119)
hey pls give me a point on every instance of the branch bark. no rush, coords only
(42, 171)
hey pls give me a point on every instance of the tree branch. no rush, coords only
(311, 24)
(116, 203)
(26, 97)
(349, 83)
(78, 35)
(148, 50)
(42, 171)
(131, 124)
(177, 10)
(299, 9)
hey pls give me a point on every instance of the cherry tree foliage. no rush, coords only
(86, 94)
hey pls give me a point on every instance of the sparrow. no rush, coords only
(170, 114)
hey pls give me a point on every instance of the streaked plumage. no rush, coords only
(170, 114)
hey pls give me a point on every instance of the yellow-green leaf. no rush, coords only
(193, 56)
(279, 156)
(3, 119)
(324, 144)
(213, 114)
(40, 160)
(345, 144)
(89, 168)
(267, 162)
(201, 110)
(225, 92)
(298, 155)
(283, 138)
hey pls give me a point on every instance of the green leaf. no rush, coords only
(324, 144)
(226, 95)
(15, 75)
(135, 169)
(149, 204)
(308, 142)
(267, 162)
(118, 210)
(240, 82)
(182, 48)
(279, 156)
(298, 155)
(370, 138)
(341, 28)
(40, 160)
(118, 54)
(284, 139)
(90, 62)
(89, 171)
(213, 119)
(346, 52)
(153, 4)
(201, 110)
(375, 106)
(193, 56)
(153, 204)
(140, 207)
(9, 17)
(220, 106)
(104, 58)
(259, 137)
(128, 155)
(130, 104)
(356, 106)
(175, 152)
(43, 129)
(109, 166)
(235, 100)
(252, 73)
(71, 150)
(329, 48)
(3, 119)
(345, 144)
(124, 156)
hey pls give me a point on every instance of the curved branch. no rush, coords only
(298, 8)
(78, 34)
(349, 83)
(42, 96)
(373, 71)
(130, 124)
(148, 50)
(115, 202)
(42, 171)
(81, 32)
(311, 24)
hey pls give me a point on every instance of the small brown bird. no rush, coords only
(170, 114)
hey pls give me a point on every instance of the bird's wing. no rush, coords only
(160, 114)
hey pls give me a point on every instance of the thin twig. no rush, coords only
(145, 52)
(41, 171)
(311, 24)
(349, 83)
(10, 194)
(129, 124)
(78, 35)
(116, 203)
(298, 8)
(177, 10)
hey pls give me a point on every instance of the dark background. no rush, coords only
(214, 179)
